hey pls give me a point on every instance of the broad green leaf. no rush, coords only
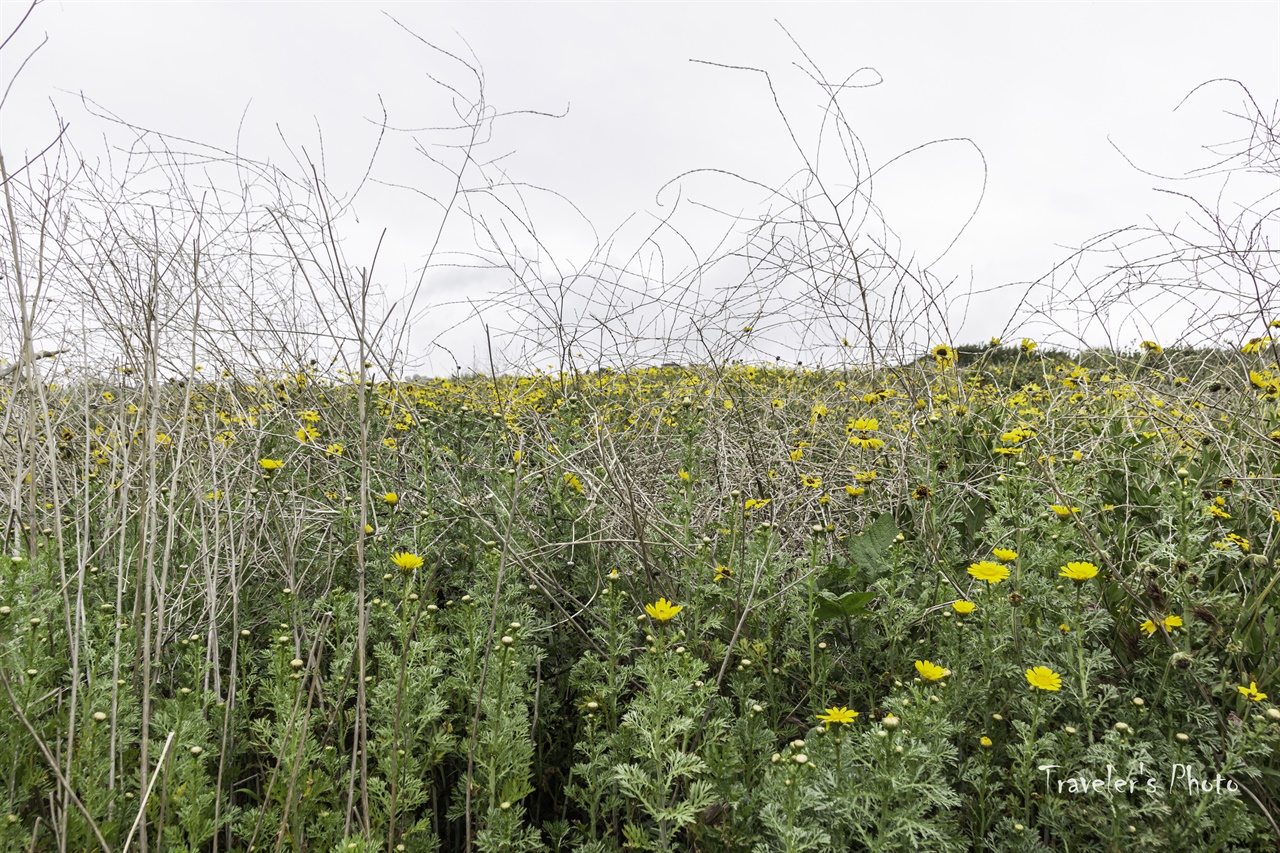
(838, 607)
(867, 549)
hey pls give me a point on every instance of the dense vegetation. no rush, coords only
(717, 607)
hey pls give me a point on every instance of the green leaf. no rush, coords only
(882, 532)
(970, 521)
(838, 607)
(1255, 641)
(839, 573)
(867, 549)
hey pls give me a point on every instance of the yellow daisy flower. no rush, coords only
(1252, 692)
(406, 561)
(1043, 678)
(930, 671)
(663, 610)
(1079, 572)
(988, 571)
(842, 715)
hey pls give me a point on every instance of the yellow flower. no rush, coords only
(984, 741)
(1252, 692)
(864, 425)
(1043, 678)
(1216, 511)
(1028, 346)
(1015, 436)
(391, 498)
(722, 572)
(572, 481)
(1078, 572)
(515, 456)
(271, 464)
(988, 571)
(663, 610)
(878, 396)
(407, 561)
(1152, 347)
(334, 449)
(930, 671)
(796, 455)
(1254, 345)
(389, 443)
(854, 491)
(1064, 511)
(944, 355)
(1265, 382)
(842, 715)
(755, 503)
(1169, 623)
(1005, 555)
(813, 481)
(1233, 540)
(307, 434)
(963, 606)
(683, 474)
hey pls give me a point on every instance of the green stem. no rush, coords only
(813, 641)
(1030, 760)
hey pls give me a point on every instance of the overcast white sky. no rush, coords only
(1043, 89)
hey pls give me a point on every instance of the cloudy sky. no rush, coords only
(1049, 94)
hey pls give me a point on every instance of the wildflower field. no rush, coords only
(721, 539)
(997, 599)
